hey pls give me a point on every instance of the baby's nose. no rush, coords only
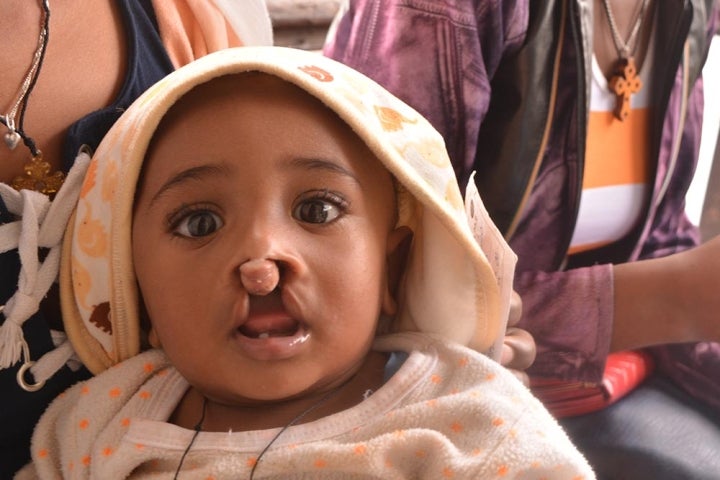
(259, 276)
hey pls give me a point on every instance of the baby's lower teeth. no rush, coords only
(264, 335)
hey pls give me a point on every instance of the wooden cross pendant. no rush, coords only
(624, 83)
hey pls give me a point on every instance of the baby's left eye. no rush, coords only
(317, 210)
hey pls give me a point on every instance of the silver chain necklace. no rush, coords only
(624, 48)
(12, 137)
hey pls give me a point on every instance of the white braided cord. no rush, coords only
(41, 224)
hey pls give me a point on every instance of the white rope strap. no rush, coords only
(41, 224)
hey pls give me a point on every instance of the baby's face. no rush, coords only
(251, 169)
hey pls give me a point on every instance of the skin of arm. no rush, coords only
(651, 295)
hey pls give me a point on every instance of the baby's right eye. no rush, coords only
(198, 224)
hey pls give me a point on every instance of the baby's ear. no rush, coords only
(399, 241)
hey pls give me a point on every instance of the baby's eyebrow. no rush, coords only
(191, 174)
(322, 164)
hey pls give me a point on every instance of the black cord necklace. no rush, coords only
(197, 429)
(297, 418)
(37, 172)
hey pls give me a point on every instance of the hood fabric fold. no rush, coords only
(458, 278)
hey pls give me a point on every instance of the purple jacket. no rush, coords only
(487, 74)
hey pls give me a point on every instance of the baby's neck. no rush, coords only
(237, 418)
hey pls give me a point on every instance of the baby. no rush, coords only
(272, 274)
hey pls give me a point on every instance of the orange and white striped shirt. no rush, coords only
(617, 164)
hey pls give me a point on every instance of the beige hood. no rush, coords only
(458, 280)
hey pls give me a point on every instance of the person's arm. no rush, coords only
(651, 296)
(673, 299)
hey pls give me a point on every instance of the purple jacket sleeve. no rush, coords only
(570, 316)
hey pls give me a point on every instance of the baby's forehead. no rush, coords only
(254, 107)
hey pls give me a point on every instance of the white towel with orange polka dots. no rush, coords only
(448, 412)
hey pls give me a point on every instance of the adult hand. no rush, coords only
(519, 349)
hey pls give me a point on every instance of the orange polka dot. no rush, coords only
(42, 453)
(360, 450)
(436, 378)
(85, 390)
(83, 424)
(490, 376)
(420, 453)
(145, 394)
(448, 472)
(209, 477)
(454, 391)
(477, 451)
(162, 372)
(107, 451)
(251, 462)
(432, 403)
(388, 463)
(503, 470)
(114, 392)
(86, 460)
(148, 367)
(497, 421)
(139, 446)
(579, 477)
(125, 422)
(320, 463)
(456, 427)
(463, 362)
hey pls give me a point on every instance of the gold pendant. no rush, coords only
(624, 83)
(37, 177)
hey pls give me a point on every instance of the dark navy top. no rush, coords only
(147, 63)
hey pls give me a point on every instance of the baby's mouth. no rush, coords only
(270, 337)
(269, 332)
